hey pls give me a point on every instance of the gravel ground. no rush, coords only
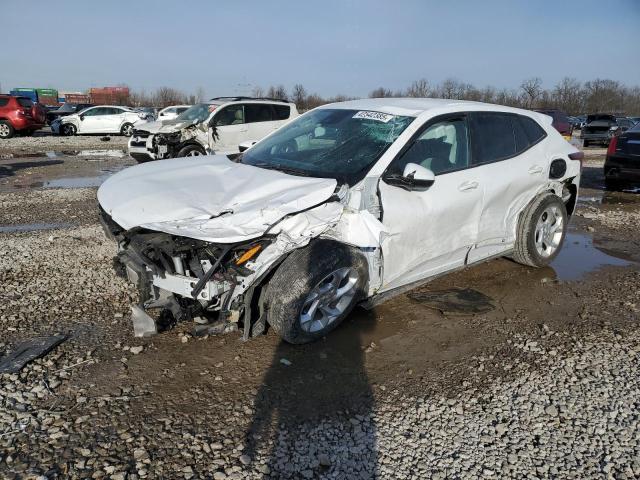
(45, 142)
(544, 386)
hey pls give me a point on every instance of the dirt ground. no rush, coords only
(57, 275)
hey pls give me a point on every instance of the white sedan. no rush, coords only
(99, 119)
(169, 113)
(351, 202)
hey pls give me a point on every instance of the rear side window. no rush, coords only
(4, 102)
(258, 113)
(534, 132)
(25, 102)
(282, 112)
(493, 137)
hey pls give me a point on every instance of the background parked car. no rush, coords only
(596, 129)
(560, 122)
(635, 120)
(169, 113)
(217, 126)
(622, 165)
(64, 110)
(19, 115)
(99, 119)
(149, 114)
(622, 125)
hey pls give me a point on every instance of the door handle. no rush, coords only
(467, 186)
(535, 169)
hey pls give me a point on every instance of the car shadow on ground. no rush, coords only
(310, 391)
(10, 169)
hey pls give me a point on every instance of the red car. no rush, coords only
(19, 115)
(560, 122)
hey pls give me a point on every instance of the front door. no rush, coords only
(431, 231)
(229, 129)
(90, 120)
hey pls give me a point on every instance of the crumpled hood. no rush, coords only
(208, 197)
(163, 126)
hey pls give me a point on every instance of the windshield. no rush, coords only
(329, 143)
(199, 112)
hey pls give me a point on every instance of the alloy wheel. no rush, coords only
(4, 130)
(549, 231)
(328, 300)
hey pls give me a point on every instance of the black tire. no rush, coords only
(6, 130)
(68, 129)
(190, 151)
(525, 250)
(612, 184)
(298, 275)
(126, 129)
(585, 143)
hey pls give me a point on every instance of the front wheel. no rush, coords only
(6, 130)
(190, 151)
(127, 130)
(68, 129)
(541, 231)
(314, 290)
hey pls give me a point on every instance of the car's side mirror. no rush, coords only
(81, 117)
(244, 146)
(414, 177)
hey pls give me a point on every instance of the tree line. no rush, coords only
(569, 94)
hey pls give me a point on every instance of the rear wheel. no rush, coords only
(191, 151)
(314, 290)
(6, 130)
(127, 129)
(68, 129)
(541, 231)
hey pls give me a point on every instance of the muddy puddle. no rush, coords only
(111, 153)
(32, 227)
(579, 257)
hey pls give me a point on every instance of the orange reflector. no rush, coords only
(248, 255)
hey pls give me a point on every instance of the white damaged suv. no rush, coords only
(350, 203)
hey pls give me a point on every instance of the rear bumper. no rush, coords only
(596, 137)
(25, 123)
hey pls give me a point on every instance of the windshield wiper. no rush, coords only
(271, 166)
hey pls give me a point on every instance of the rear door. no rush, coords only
(112, 120)
(260, 120)
(512, 165)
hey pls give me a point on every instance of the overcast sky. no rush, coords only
(329, 46)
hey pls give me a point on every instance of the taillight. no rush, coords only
(579, 155)
(613, 143)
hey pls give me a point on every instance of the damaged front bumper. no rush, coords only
(186, 277)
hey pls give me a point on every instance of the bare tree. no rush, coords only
(166, 96)
(278, 92)
(299, 96)
(200, 95)
(257, 92)
(531, 90)
(380, 92)
(419, 88)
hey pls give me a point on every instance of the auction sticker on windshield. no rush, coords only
(379, 116)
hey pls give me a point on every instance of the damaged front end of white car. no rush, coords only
(200, 236)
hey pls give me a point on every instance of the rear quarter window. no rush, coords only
(282, 112)
(533, 130)
(258, 113)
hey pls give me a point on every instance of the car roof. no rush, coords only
(415, 106)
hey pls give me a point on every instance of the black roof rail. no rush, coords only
(238, 98)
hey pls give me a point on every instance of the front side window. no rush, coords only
(231, 115)
(443, 147)
(94, 112)
(25, 102)
(493, 137)
(329, 143)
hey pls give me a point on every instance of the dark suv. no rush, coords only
(19, 115)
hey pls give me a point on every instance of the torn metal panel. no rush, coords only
(208, 198)
(29, 351)
(457, 301)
